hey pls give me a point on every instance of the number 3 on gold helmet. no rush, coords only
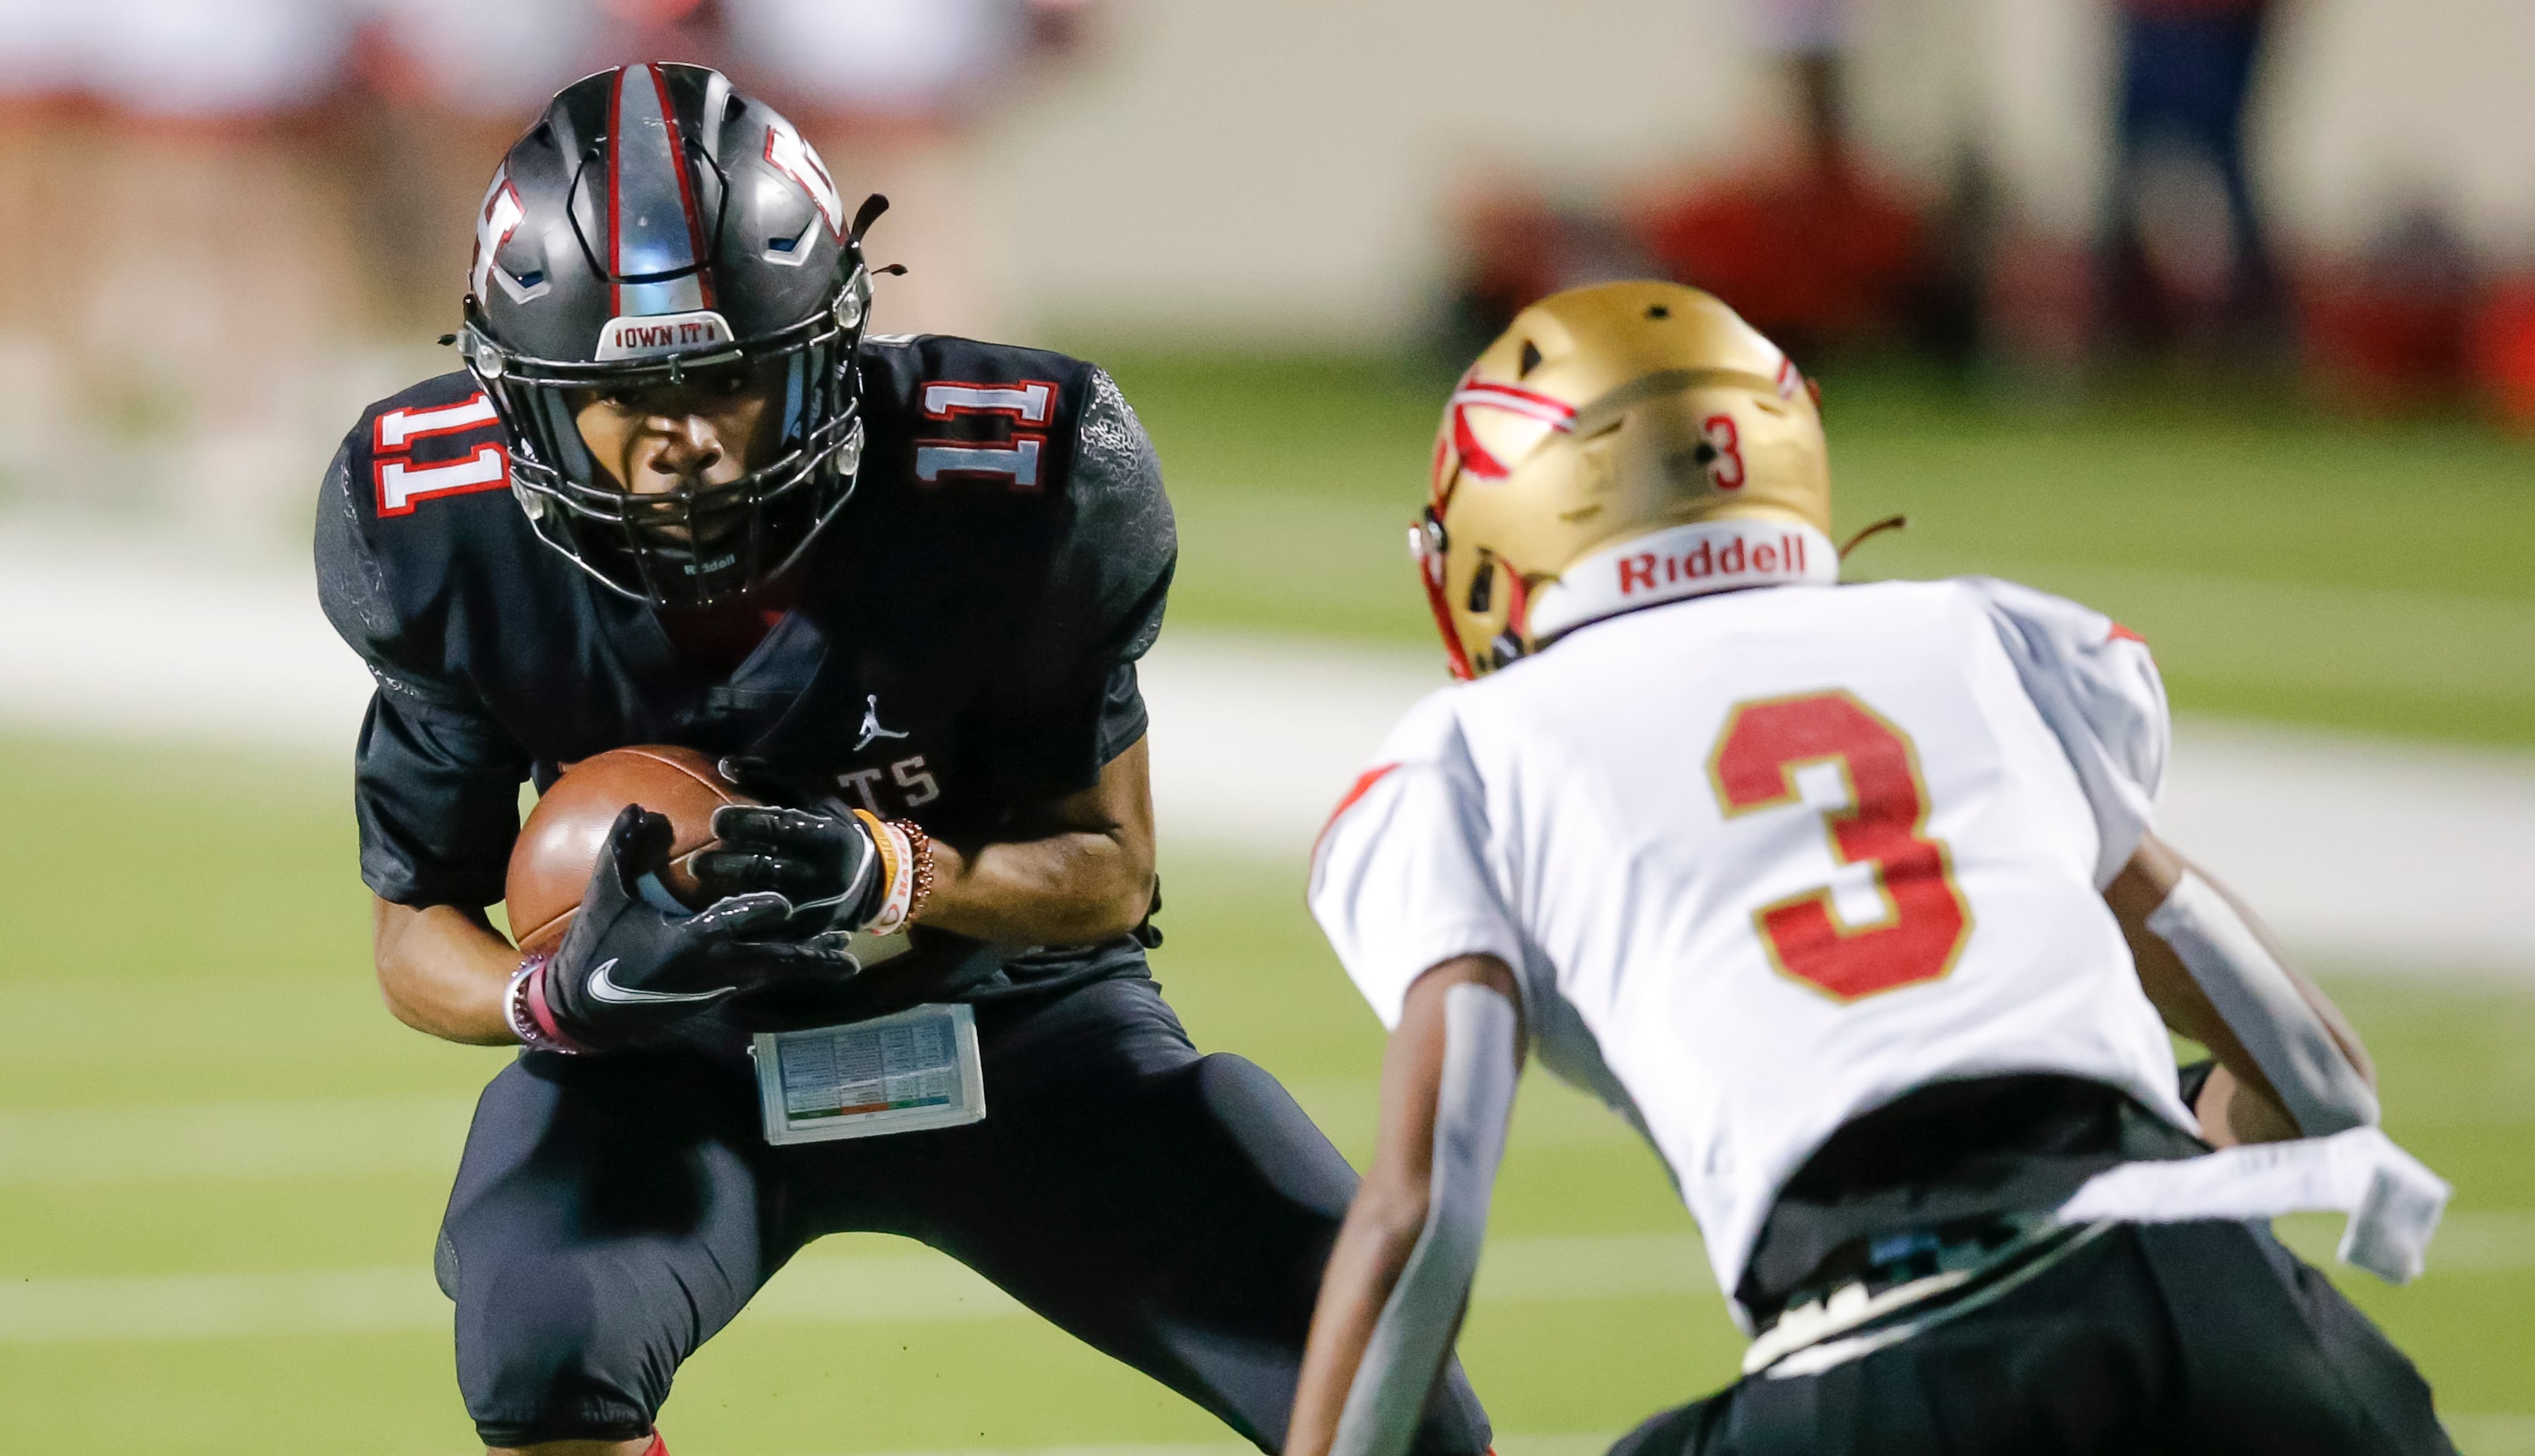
(1618, 446)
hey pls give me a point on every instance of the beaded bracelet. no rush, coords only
(531, 1021)
(921, 846)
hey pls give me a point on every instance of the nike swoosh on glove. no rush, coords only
(628, 970)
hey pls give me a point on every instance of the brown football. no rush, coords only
(559, 844)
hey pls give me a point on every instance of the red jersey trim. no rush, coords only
(1362, 785)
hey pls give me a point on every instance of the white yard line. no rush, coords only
(360, 1137)
(146, 645)
(2496, 1433)
(891, 1288)
(915, 1285)
(2363, 854)
(320, 1137)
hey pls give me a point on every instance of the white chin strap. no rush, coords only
(1418, 1322)
(2255, 997)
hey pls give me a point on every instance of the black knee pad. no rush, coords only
(547, 1352)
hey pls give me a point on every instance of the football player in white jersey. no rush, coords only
(1847, 898)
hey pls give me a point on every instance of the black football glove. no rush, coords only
(825, 865)
(629, 969)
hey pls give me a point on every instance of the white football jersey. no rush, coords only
(1765, 860)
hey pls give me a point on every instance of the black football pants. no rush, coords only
(2198, 1339)
(1173, 1210)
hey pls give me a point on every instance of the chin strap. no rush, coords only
(1887, 523)
(1414, 1334)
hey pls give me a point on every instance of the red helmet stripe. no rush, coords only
(1518, 601)
(615, 208)
(1476, 457)
(1557, 414)
(1455, 657)
(651, 251)
(686, 183)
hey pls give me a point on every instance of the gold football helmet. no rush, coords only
(1618, 446)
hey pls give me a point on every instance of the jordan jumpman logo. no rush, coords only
(871, 730)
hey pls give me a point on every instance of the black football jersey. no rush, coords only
(962, 647)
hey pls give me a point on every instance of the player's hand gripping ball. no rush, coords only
(559, 845)
(630, 967)
(627, 956)
(836, 868)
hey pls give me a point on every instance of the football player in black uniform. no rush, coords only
(676, 496)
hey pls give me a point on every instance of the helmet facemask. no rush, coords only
(699, 544)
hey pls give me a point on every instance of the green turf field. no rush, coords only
(220, 1166)
(221, 1162)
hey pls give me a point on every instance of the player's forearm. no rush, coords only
(1383, 1223)
(2232, 1114)
(1068, 889)
(2245, 1109)
(2293, 1026)
(2344, 1035)
(1392, 1299)
(443, 971)
(1373, 1245)
(1089, 879)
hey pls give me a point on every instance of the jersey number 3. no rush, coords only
(1878, 819)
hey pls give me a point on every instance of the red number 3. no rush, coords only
(1726, 469)
(1924, 922)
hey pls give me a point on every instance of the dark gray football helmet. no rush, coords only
(655, 223)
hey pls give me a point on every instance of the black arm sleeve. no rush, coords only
(435, 780)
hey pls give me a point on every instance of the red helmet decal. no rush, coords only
(1476, 457)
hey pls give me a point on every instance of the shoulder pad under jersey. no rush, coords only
(2099, 691)
(416, 501)
(1040, 433)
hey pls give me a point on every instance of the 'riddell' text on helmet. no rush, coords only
(1618, 446)
(655, 226)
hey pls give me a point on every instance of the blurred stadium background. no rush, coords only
(2217, 314)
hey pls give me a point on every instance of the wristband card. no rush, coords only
(899, 1073)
